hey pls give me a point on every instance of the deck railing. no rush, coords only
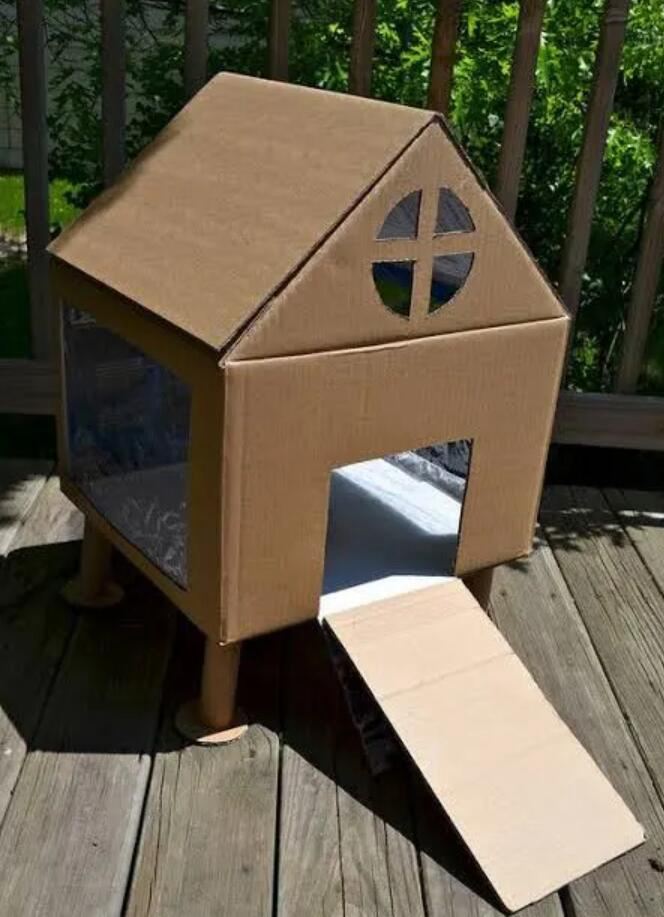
(620, 419)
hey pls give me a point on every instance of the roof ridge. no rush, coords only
(227, 349)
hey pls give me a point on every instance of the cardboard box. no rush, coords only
(285, 282)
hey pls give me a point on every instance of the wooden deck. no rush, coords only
(104, 810)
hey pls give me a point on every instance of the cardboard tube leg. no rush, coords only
(212, 718)
(480, 585)
(94, 586)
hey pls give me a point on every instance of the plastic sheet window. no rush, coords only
(128, 431)
(394, 283)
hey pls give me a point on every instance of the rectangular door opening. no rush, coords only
(397, 516)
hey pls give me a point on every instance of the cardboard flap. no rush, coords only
(232, 197)
(336, 300)
(527, 799)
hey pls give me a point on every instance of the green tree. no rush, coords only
(319, 54)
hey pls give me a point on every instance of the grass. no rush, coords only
(14, 301)
(12, 215)
(23, 436)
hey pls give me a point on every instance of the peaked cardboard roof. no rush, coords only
(232, 197)
(334, 301)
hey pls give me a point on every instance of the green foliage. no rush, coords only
(12, 213)
(15, 312)
(319, 54)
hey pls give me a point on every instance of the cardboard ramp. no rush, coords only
(527, 799)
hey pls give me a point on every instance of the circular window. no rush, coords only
(446, 271)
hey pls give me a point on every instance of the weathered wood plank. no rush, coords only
(621, 607)
(32, 73)
(534, 609)
(208, 839)
(646, 280)
(346, 840)
(33, 638)
(277, 40)
(28, 387)
(52, 520)
(195, 45)
(362, 47)
(379, 858)
(21, 481)
(519, 100)
(113, 94)
(443, 50)
(589, 164)
(641, 514)
(309, 875)
(621, 421)
(70, 829)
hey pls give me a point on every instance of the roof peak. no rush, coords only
(232, 198)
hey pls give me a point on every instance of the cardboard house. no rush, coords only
(283, 304)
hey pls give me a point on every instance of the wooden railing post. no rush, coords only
(113, 66)
(32, 70)
(277, 40)
(362, 47)
(519, 100)
(589, 164)
(646, 280)
(443, 51)
(195, 46)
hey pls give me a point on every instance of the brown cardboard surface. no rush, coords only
(526, 798)
(232, 197)
(332, 303)
(289, 421)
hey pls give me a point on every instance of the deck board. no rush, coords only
(208, 840)
(70, 828)
(642, 516)
(21, 481)
(535, 610)
(35, 626)
(621, 606)
(379, 860)
(109, 813)
(309, 866)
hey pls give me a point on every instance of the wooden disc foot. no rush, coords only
(189, 723)
(75, 592)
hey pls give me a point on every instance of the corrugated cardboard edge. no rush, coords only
(195, 364)
(632, 833)
(481, 180)
(228, 353)
(427, 118)
(238, 623)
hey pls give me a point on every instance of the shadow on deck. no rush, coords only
(105, 810)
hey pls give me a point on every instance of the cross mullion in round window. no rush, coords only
(394, 279)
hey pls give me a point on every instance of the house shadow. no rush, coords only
(108, 681)
(316, 723)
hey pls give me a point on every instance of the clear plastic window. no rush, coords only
(447, 277)
(452, 215)
(402, 220)
(394, 283)
(128, 426)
